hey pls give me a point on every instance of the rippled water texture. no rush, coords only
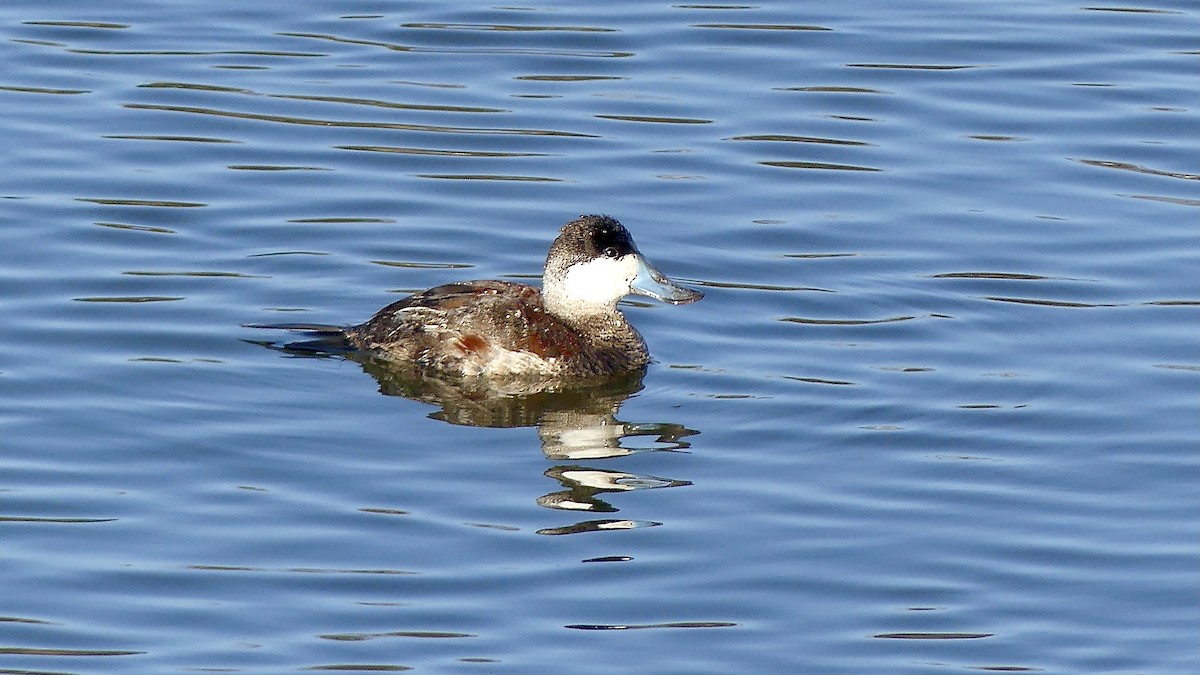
(937, 412)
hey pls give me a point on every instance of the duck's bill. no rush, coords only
(655, 284)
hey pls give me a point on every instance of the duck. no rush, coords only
(569, 329)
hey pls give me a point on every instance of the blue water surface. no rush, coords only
(937, 412)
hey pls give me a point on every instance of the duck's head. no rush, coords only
(594, 263)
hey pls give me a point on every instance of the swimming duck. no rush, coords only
(568, 329)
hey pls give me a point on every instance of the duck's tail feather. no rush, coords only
(317, 328)
(329, 340)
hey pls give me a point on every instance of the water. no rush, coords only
(937, 411)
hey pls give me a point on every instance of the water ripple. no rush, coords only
(581, 53)
(156, 203)
(422, 265)
(46, 651)
(433, 152)
(1137, 168)
(275, 167)
(655, 119)
(79, 24)
(152, 229)
(129, 298)
(1130, 10)
(1180, 201)
(824, 166)
(182, 52)
(298, 570)
(1011, 276)
(934, 636)
(833, 89)
(568, 78)
(422, 634)
(785, 138)
(1048, 303)
(320, 122)
(360, 667)
(851, 322)
(375, 103)
(199, 273)
(509, 27)
(762, 26)
(913, 66)
(159, 137)
(489, 177)
(643, 626)
(52, 519)
(26, 620)
(44, 90)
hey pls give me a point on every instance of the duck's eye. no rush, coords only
(610, 252)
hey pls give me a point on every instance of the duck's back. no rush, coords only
(497, 329)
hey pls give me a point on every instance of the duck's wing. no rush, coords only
(458, 295)
(459, 319)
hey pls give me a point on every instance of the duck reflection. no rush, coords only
(574, 426)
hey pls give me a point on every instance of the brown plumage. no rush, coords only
(569, 330)
(498, 329)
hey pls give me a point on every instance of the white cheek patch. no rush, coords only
(602, 281)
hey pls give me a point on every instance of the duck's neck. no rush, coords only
(616, 341)
(572, 310)
(617, 344)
